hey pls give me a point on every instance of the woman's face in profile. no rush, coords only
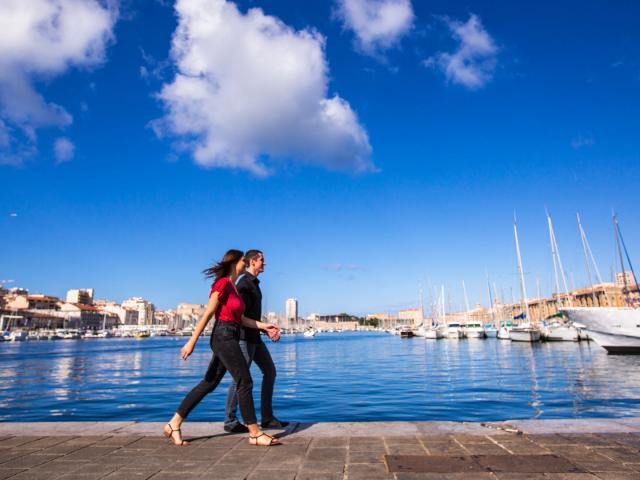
(240, 266)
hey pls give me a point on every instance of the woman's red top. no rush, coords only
(231, 306)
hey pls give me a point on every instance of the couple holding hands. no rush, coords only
(235, 301)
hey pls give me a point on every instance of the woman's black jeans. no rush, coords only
(226, 356)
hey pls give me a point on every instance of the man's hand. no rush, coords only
(273, 332)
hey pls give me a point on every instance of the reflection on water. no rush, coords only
(331, 377)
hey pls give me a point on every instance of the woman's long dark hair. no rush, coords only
(224, 266)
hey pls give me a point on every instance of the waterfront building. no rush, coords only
(291, 311)
(82, 296)
(340, 321)
(144, 308)
(188, 314)
(410, 316)
(87, 317)
(32, 302)
(126, 316)
(625, 279)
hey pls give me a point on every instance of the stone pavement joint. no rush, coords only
(598, 449)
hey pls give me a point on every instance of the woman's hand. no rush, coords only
(187, 350)
(273, 332)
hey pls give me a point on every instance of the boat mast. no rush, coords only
(583, 237)
(491, 305)
(589, 255)
(466, 302)
(523, 288)
(619, 241)
(444, 315)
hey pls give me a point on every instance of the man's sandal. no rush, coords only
(272, 441)
(169, 435)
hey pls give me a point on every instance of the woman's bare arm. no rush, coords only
(202, 324)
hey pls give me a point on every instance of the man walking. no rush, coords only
(253, 348)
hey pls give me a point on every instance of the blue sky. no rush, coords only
(551, 121)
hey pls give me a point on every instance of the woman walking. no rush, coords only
(228, 308)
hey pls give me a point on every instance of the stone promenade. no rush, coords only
(515, 450)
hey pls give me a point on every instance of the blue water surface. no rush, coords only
(332, 377)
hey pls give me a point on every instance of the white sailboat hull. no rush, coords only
(455, 334)
(475, 333)
(524, 335)
(562, 333)
(433, 334)
(504, 334)
(617, 330)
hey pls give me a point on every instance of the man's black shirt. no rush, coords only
(249, 289)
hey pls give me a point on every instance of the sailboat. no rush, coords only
(525, 332)
(557, 330)
(616, 329)
(472, 328)
(435, 332)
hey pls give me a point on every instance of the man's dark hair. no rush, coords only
(252, 255)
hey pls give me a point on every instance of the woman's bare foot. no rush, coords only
(175, 435)
(263, 440)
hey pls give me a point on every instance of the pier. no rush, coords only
(588, 449)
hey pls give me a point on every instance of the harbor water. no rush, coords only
(330, 377)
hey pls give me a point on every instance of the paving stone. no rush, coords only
(26, 461)
(327, 454)
(190, 467)
(585, 439)
(240, 459)
(432, 464)
(131, 474)
(550, 439)
(520, 476)
(14, 442)
(273, 475)
(94, 469)
(570, 476)
(527, 464)
(119, 441)
(310, 466)
(485, 449)
(319, 476)
(230, 472)
(27, 475)
(9, 454)
(406, 450)
(595, 466)
(407, 440)
(57, 467)
(617, 476)
(464, 439)
(47, 442)
(368, 471)
(8, 473)
(620, 454)
(144, 443)
(365, 457)
(331, 442)
(445, 476)
(89, 453)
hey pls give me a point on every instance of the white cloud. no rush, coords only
(249, 87)
(41, 39)
(580, 142)
(63, 149)
(377, 24)
(473, 63)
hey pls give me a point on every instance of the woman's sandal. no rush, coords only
(272, 441)
(169, 435)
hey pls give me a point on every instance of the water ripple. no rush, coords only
(332, 377)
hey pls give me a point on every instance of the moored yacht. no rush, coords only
(524, 333)
(560, 332)
(616, 329)
(454, 331)
(474, 330)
